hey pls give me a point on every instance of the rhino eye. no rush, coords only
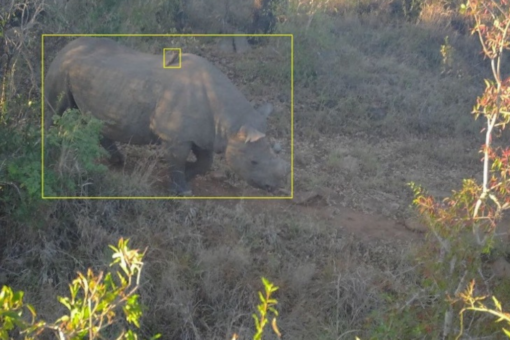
(254, 162)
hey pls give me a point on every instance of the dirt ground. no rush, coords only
(322, 205)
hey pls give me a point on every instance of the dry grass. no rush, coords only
(204, 263)
(379, 79)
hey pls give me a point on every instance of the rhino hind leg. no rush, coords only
(116, 157)
(177, 161)
(201, 165)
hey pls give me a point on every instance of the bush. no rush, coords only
(93, 307)
(71, 151)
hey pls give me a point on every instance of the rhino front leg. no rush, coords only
(177, 161)
(116, 156)
(201, 165)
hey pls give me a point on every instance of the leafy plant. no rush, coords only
(93, 305)
(463, 225)
(71, 151)
(475, 304)
(265, 308)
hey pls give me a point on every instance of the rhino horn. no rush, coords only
(250, 134)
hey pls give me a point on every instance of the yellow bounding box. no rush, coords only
(170, 56)
(172, 59)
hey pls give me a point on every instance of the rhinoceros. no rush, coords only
(195, 108)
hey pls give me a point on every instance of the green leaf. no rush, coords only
(497, 303)
(32, 310)
(123, 280)
(64, 301)
(257, 323)
(261, 297)
(130, 335)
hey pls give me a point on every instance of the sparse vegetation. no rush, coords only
(463, 226)
(382, 95)
(93, 305)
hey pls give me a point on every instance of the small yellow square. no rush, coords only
(170, 58)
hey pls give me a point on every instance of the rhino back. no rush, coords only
(140, 101)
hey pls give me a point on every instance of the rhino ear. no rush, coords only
(249, 134)
(265, 109)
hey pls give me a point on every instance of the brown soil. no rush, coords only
(322, 207)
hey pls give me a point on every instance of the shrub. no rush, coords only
(463, 225)
(71, 151)
(93, 307)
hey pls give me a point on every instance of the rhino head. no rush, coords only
(250, 155)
